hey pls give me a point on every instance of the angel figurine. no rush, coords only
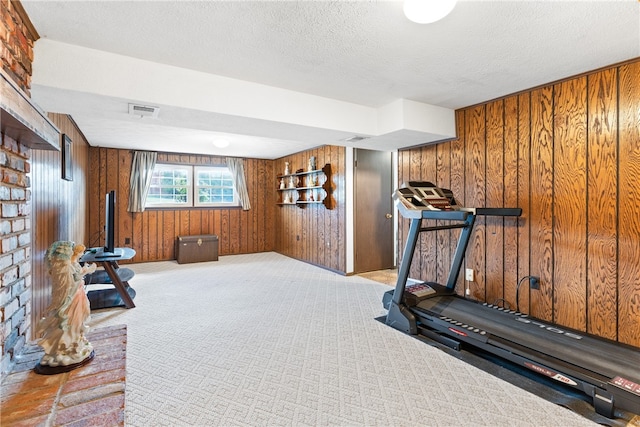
(64, 326)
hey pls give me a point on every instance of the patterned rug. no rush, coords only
(262, 339)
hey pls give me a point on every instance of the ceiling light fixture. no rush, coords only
(355, 138)
(221, 143)
(427, 11)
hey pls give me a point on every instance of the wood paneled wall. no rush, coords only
(59, 207)
(153, 233)
(568, 154)
(313, 233)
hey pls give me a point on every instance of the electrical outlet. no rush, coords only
(534, 282)
(468, 274)
(467, 292)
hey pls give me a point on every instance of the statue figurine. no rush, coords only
(311, 166)
(64, 326)
(286, 168)
(292, 183)
(281, 183)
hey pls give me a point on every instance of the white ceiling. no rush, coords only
(277, 77)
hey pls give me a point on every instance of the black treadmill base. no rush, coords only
(540, 385)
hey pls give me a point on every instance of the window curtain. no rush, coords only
(141, 173)
(236, 167)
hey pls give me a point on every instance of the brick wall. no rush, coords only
(16, 42)
(15, 252)
(16, 49)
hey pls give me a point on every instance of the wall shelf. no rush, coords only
(305, 187)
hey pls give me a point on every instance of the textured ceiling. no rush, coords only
(361, 52)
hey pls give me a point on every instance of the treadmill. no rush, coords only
(607, 371)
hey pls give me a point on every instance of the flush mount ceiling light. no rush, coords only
(427, 11)
(221, 143)
(355, 138)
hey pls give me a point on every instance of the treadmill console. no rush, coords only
(423, 195)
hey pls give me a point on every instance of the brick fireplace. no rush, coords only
(23, 127)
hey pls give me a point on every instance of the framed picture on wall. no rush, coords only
(67, 159)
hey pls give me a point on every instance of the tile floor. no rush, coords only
(388, 277)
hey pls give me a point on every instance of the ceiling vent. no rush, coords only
(144, 110)
(355, 138)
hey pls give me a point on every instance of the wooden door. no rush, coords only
(373, 208)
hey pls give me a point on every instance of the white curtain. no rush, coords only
(141, 173)
(236, 167)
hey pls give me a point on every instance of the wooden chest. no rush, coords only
(197, 248)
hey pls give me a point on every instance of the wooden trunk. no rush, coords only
(198, 248)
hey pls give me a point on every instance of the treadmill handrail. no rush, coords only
(498, 211)
(445, 215)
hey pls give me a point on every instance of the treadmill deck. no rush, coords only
(595, 357)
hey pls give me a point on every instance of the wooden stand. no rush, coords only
(121, 294)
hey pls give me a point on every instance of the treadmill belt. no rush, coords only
(596, 355)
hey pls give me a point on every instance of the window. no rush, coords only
(186, 186)
(214, 186)
(170, 186)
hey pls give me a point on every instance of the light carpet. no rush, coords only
(263, 339)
